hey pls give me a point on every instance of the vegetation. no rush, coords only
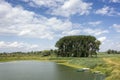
(77, 46)
(106, 63)
(113, 51)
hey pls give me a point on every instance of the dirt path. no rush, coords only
(111, 62)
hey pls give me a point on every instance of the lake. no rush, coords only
(35, 70)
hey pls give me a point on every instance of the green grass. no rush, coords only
(87, 62)
(110, 69)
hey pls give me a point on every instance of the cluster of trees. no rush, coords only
(19, 54)
(32, 53)
(110, 51)
(77, 46)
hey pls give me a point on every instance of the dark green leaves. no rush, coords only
(77, 46)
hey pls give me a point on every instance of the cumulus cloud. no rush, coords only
(17, 46)
(107, 11)
(110, 45)
(95, 32)
(59, 25)
(115, 1)
(102, 39)
(25, 23)
(48, 3)
(64, 8)
(19, 22)
(117, 27)
(72, 32)
(103, 45)
(95, 23)
(72, 7)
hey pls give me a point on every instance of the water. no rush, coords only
(33, 70)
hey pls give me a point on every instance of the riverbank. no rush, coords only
(107, 64)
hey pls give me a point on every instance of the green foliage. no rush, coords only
(46, 53)
(77, 46)
(113, 51)
(89, 62)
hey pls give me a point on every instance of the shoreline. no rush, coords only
(61, 62)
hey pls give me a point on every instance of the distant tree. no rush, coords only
(110, 51)
(78, 46)
(46, 53)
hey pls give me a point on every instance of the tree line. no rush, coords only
(78, 46)
(110, 51)
(31, 53)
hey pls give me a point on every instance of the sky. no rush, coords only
(34, 25)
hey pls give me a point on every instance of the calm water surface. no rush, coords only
(33, 70)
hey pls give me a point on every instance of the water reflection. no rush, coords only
(33, 70)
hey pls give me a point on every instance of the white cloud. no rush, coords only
(72, 32)
(107, 11)
(112, 1)
(83, 30)
(102, 39)
(17, 46)
(48, 3)
(71, 7)
(59, 25)
(19, 22)
(115, 1)
(117, 27)
(95, 23)
(95, 32)
(110, 44)
(64, 8)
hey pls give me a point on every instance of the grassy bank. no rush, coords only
(107, 64)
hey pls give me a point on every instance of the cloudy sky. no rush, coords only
(27, 25)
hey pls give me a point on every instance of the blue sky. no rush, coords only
(27, 25)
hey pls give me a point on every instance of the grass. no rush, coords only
(107, 64)
(114, 63)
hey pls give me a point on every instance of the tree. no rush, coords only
(110, 51)
(46, 53)
(77, 46)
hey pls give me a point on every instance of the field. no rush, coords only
(109, 64)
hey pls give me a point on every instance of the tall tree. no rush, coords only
(78, 46)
